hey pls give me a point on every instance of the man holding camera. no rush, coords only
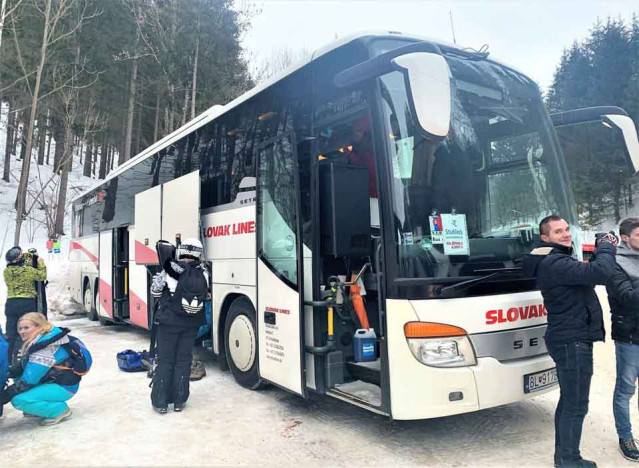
(575, 322)
(21, 277)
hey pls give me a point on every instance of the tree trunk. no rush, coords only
(156, 123)
(96, 150)
(49, 146)
(104, 156)
(185, 106)
(42, 136)
(24, 175)
(194, 77)
(58, 134)
(170, 126)
(86, 168)
(64, 180)
(23, 143)
(129, 118)
(7, 146)
(138, 127)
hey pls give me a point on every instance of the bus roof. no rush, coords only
(216, 110)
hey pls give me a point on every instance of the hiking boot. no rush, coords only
(629, 449)
(197, 370)
(161, 410)
(58, 419)
(178, 407)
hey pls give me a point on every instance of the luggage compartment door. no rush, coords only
(105, 282)
(148, 225)
(181, 208)
(279, 272)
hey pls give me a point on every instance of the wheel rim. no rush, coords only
(87, 300)
(242, 342)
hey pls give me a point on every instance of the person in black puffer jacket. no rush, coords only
(575, 321)
(182, 287)
(623, 297)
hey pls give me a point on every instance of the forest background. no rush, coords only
(87, 84)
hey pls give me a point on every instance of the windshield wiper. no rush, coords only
(492, 273)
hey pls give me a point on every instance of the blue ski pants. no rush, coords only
(46, 400)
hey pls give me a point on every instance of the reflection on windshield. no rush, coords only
(472, 201)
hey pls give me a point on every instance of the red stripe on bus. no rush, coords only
(144, 254)
(77, 246)
(138, 310)
(106, 297)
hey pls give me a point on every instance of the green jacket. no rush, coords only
(20, 279)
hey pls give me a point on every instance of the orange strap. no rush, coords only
(69, 369)
(358, 304)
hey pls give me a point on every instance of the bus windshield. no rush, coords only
(470, 204)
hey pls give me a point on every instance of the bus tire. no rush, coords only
(88, 301)
(241, 345)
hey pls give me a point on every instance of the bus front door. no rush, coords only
(279, 271)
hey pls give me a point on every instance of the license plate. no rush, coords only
(540, 380)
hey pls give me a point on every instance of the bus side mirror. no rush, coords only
(614, 118)
(426, 76)
(427, 79)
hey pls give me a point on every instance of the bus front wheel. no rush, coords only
(89, 302)
(240, 342)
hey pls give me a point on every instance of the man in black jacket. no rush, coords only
(623, 296)
(575, 321)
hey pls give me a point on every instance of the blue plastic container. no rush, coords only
(365, 345)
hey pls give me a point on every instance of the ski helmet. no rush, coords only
(189, 248)
(13, 255)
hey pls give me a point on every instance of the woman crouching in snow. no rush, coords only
(42, 383)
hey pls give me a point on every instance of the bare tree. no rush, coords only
(277, 61)
(69, 99)
(52, 33)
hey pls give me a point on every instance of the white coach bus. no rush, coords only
(412, 171)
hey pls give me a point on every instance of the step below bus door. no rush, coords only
(279, 266)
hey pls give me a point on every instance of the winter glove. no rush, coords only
(173, 269)
(607, 239)
(15, 371)
(8, 393)
(157, 284)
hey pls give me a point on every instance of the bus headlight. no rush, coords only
(439, 345)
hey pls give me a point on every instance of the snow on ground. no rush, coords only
(113, 424)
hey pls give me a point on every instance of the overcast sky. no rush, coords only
(528, 35)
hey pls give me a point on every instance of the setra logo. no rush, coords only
(515, 314)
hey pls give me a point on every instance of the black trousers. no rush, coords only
(174, 354)
(574, 370)
(14, 309)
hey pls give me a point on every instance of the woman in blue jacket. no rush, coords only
(40, 388)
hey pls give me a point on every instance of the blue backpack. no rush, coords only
(79, 361)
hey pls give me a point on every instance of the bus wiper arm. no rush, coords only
(492, 273)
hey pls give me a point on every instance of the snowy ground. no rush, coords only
(224, 424)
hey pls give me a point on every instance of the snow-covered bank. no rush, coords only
(42, 184)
